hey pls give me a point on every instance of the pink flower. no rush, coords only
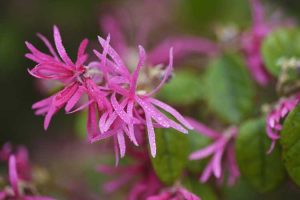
(133, 107)
(53, 67)
(19, 172)
(118, 26)
(78, 79)
(221, 152)
(276, 116)
(115, 104)
(22, 159)
(251, 43)
(139, 175)
(179, 193)
(252, 40)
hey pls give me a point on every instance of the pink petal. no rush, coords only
(115, 57)
(153, 112)
(104, 135)
(92, 122)
(74, 100)
(52, 110)
(121, 142)
(177, 127)
(206, 173)
(60, 48)
(49, 46)
(183, 46)
(81, 50)
(151, 135)
(38, 55)
(188, 195)
(131, 126)
(257, 11)
(13, 175)
(111, 26)
(119, 110)
(203, 129)
(202, 153)
(216, 162)
(142, 58)
(114, 185)
(172, 111)
(42, 103)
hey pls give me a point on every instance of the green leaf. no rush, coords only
(228, 88)
(171, 156)
(196, 141)
(240, 191)
(183, 89)
(205, 191)
(290, 140)
(80, 125)
(280, 44)
(262, 171)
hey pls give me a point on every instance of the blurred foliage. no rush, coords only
(290, 144)
(228, 88)
(264, 172)
(196, 142)
(205, 191)
(185, 88)
(280, 44)
(171, 155)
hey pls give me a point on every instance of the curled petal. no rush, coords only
(60, 48)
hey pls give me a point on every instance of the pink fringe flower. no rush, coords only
(276, 116)
(252, 40)
(221, 152)
(53, 67)
(115, 106)
(133, 107)
(179, 193)
(251, 43)
(22, 159)
(19, 173)
(117, 25)
(140, 176)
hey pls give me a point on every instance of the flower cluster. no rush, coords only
(251, 41)
(141, 177)
(19, 175)
(175, 193)
(115, 102)
(276, 116)
(221, 152)
(118, 25)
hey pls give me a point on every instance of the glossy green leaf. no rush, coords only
(183, 89)
(290, 140)
(240, 191)
(280, 44)
(171, 156)
(262, 171)
(228, 88)
(196, 141)
(205, 191)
